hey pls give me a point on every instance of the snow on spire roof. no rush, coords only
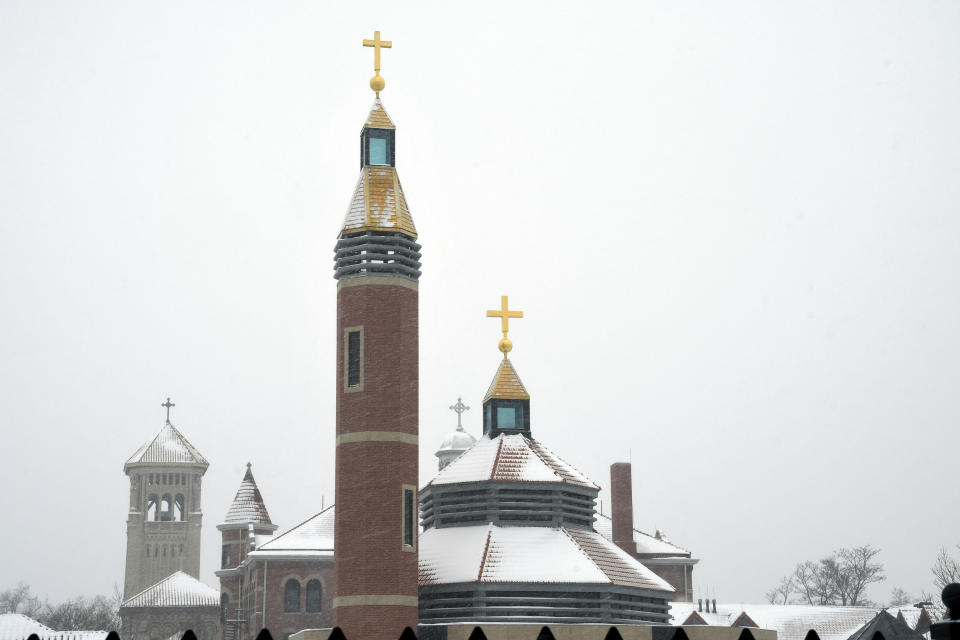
(378, 203)
(167, 447)
(176, 590)
(248, 504)
(510, 458)
(506, 383)
(378, 117)
(489, 553)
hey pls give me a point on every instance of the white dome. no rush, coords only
(458, 440)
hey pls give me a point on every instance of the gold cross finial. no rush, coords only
(504, 313)
(377, 83)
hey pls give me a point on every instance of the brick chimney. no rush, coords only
(621, 506)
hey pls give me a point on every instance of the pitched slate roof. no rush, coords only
(506, 384)
(167, 447)
(489, 553)
(646, 543)
(790, 621)
(315, 534)
(247, 505)
(176, 590)
(378, 117)
(378, 203)
(16, 626)
(888, 626)
(510, 458)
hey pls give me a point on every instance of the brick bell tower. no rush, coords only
(377, 268)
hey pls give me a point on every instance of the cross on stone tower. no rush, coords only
(168, 404)
(459, 408)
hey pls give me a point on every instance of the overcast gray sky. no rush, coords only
(733, 228)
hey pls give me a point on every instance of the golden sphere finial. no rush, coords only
(505, 345)
(377, 83)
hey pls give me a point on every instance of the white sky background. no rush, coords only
(732, 226)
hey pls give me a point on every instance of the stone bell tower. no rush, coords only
(377, 268)
(163, 525)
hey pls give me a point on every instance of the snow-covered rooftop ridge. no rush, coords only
(793, 621)
(176, 590)
(489, 553)
(313, 534)
(646, 543)
(247, 505)
(169, 446)
(16, 626)
(510, 458)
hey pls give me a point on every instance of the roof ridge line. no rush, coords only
(297, 526)
(496, 460)
(486, 549)
(584, 552)
(530, 443)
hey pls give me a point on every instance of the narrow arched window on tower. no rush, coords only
(314, 593)
(178, 503)
(291, 595)
(153, 504)
(166, 509)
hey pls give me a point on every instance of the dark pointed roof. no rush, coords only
(247, 505)
(167, 447)
(888, 626)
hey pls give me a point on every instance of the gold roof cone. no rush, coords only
(378, 118)
(506, 383)
(378, 204)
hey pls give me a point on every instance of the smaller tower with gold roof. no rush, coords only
(506, 405)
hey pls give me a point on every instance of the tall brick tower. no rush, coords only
(163, 523)
(377, 270)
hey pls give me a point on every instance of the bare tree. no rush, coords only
(97, 613)
(857, 570)
(19, 599)
(840, 579)
(945, 569)
(814, 582)
(899, 598)
(781, 593)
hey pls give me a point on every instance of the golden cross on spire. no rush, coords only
(504, 313)
(377, 83)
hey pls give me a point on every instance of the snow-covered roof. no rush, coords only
(176, 590)
(16, 626)
(378, 203)
(488, 553)
(792, 621)
(458, 440)
(646, 543)
(315, 534)
(510, 458)
(167, 447)
(378, 117)
(247, 505)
